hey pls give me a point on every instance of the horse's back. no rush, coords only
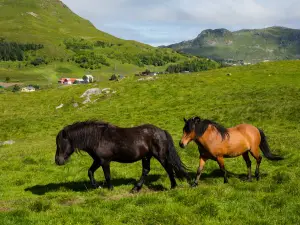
(250, 133)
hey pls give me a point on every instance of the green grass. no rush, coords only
(33, 190)
(50, 74)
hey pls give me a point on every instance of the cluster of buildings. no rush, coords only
(84, 80)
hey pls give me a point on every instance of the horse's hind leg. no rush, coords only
(258, 161)
(146, 170)
(255, 153)
(106, 171)
(248, 163)
(96, 164)
(220, 161)
(169, 169)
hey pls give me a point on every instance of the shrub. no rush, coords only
(16, 88)
(38, 61)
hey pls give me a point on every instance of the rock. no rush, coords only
(106, 90)
(92, 91)
(32, 14)
(87, 100)
(75, 105)
(88, 93)
(228, 74)
(9, 142)
(147, 78)
(60, 106)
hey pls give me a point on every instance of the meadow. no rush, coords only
(34, 190)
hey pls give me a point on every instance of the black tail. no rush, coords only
(173, 159)
(264, 146)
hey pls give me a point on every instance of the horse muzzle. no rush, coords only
(59, 161)
(181, 144)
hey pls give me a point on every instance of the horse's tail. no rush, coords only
(264, 146)
(174, 160)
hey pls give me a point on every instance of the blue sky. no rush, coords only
(160, 22)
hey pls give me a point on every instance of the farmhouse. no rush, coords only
(67, 80)
(88, 78)
(85, 79)
(28, 89)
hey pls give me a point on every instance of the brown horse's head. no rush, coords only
(189, 132)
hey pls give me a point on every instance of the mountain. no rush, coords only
(55, 33)
(273, 43)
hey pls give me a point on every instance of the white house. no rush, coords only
(88, 78)
(28, 89)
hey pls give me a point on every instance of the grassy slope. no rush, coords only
(271, 43)
(33, 190)
(50, 74)
(53, 25)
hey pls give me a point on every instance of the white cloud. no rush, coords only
(168, 21)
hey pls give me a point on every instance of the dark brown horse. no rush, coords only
(216, 142)
(105, 143)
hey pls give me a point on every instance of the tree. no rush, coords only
(16, 88)
(38, 61)
(7, 79)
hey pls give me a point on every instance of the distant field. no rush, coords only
(33, 190)
(50, 74)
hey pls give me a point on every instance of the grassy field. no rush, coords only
(33, 190)
(51, 73)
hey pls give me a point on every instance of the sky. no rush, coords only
(163, 22)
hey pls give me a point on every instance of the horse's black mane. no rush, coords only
(86, 133)
(80, 125)
(201, 127)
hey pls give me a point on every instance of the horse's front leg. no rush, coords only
(96, 164)
(202, 162)
(106, 171)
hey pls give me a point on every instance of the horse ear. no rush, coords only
(185, 120)
(64, 134)
(197, 119)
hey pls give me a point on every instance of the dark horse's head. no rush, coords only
(195, 127)
(64, 148)
(79, 135)
(189, 132)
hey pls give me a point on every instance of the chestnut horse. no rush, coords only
(217, 142)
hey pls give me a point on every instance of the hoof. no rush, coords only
(135, 189)
(173, 186)
(96, 186)
(194, 184)
(110, 188)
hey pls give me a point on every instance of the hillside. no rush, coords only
(273, 43)
(44, 31)
(33, 190)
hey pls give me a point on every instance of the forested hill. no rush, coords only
(47, 30)
(273, 43)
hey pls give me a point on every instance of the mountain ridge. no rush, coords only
(253, 45)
